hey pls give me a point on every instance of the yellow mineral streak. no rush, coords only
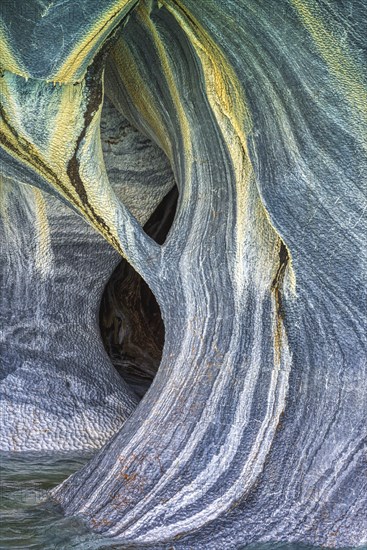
(169, 74)
(8, 60)
(339, 60)
(67, 125)
(8, 101)
(226, 98)
(15, 140)
(44, 255)
(52, 163)
(139, 92)
(70, 69)
(168, 70)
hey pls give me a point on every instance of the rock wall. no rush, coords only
(254, 428)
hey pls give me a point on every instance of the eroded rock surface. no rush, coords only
(59, 390)
(254, 427)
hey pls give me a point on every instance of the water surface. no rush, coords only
(28, 521)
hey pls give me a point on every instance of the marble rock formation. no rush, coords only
(255, 425)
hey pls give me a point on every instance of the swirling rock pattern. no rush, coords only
(59, 389)
(255, 425)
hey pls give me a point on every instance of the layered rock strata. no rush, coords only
(254, 427)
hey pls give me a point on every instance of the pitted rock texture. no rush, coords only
(254, 427)
(59, 390)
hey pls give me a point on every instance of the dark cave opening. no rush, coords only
(130, 320)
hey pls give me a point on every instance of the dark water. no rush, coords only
(29, 522)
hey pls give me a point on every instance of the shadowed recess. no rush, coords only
(130, 320)
(254, 427)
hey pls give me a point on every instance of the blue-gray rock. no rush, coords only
(254, 428)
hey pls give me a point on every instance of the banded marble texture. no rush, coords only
(254, 428)
(59, 390)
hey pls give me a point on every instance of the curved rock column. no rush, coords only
(59, 390)
(246, 433)
(254, 428)
(221, 388)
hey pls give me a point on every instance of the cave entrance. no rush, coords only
(130, 320)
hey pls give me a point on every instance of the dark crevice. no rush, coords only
(277, 283)
(277, 289)
(131, 325)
